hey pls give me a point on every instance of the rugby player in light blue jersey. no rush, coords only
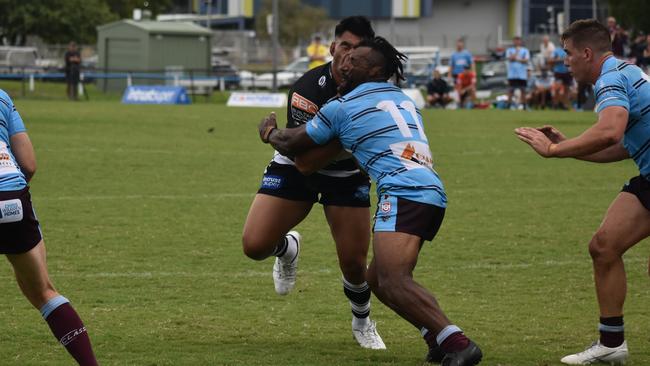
(380, 126)
(21, 240)
(621, 132)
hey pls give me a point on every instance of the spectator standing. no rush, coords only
(517, 57)
(546, 49)
(563, 80)
(459, 60)
(317, 53)
(618, 35)
(72, 69)
(437, 91)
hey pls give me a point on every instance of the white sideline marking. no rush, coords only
(321, 271)
(251, 194)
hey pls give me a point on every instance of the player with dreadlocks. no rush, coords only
(376, 122)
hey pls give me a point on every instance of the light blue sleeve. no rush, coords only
(324, 126)
(526, 54)
(611, 91)
(16, 124)
(10, 115)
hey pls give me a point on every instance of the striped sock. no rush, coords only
(612, 331)
(359, 296)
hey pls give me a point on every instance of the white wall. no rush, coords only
(475, 20)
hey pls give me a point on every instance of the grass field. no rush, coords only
(142, 210)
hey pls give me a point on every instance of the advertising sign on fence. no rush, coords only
(243, 99)
(145, 94)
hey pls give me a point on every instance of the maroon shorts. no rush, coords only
(19, 229)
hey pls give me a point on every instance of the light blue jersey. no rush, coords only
(459, 60)
(516, 69)
(559, 65)
(623, 84)
(381, 127)
(11, 178)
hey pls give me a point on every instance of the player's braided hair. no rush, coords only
(391, 59)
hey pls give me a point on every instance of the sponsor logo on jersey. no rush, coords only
(321, 81)
(304, 104)
(272, 182)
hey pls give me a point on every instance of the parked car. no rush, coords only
(285, 77)
(223, 68)
(14, 59)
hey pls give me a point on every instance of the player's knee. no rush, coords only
(391, 286)
(254, 247)
(601, 249)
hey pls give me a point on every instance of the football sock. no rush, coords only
(612, 332)
(69, 330)
(287, 249)
(359, 297)
(450, 339)
(281, 248)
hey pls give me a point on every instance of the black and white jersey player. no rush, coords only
(287, 194)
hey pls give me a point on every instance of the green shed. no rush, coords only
(151, 47)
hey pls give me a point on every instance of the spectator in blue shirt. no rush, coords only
(459, 60)
(517, 57)
(563, 80)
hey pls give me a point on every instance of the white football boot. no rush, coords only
(598, 353)
(284, 270)
(368, 337)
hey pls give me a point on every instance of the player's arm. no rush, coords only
(317, 158)
(21, 147)
(608, 131)
(286, 141)
(616, 152)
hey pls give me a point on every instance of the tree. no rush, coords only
(55, 21)
(631, 13)
(297, 21)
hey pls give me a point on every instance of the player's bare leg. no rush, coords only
(391, 277)
(350, 227)
(266, 233)
(626, 223)
(31, 274)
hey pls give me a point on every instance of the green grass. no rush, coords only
(142, 210)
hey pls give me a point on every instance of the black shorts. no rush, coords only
(517, 83)
(640, 187)
(564, 77)
(285, 181)
(396, 214)
(19, 229)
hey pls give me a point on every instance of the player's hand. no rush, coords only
(266, 126)
(552, 133)
(536, 139)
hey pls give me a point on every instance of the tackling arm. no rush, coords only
(286, 141)
(314, 159)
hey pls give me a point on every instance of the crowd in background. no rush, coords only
(541, 81)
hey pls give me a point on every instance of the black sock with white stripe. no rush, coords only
(612, 332)
(359, 296)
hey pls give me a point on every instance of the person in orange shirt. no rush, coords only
(466, 87)
(317, 53)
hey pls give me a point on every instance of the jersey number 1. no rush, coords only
(390, 107)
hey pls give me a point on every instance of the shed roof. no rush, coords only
(151, 26)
